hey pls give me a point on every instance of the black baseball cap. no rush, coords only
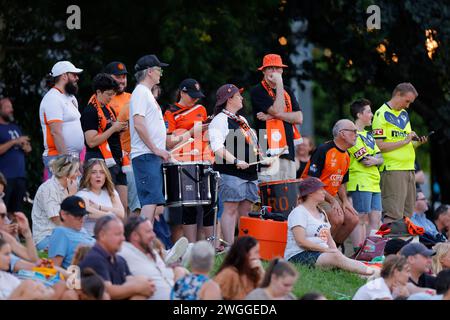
(116, 68)
(192, 88)
(74, 205)
(148, 61)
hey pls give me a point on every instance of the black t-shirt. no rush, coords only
(301, 168)
(261, 102)
(89, 121)
(111, 268)
(425, 281)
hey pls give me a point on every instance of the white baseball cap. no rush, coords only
(64, 66)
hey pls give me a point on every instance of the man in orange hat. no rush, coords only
(277, 111)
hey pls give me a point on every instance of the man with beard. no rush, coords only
(13, 147)
(59, 115)
(120, 104)
(139, 252)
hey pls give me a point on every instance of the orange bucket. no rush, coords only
(271, 235)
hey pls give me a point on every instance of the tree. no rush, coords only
(213, 41)
(350, 61)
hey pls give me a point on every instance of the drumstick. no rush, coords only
(181, 145)
(274, 157)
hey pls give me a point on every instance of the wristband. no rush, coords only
(235, 161)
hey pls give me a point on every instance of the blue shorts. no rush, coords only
(149, 179)
(234, 189)
(133, 200)
(366, 201)
(308, 258)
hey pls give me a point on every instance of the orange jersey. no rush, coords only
(179, 119)
(119, 100)
(121, 106)
(330, 164)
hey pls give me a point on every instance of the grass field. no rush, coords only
(333, 284)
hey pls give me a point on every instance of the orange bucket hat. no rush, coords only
(272, 60)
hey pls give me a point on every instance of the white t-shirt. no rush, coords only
(143, 103)
(218, 130)
(8, 283)
(141, 265)
(375, 289)
(60, 107)
(102, 199)
(315, 230)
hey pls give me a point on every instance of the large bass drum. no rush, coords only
(188, 184)
(281, 195)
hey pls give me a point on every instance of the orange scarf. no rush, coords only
(104, 147)
(276, 135)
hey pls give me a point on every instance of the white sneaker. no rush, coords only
(187, 255)
(177, 251)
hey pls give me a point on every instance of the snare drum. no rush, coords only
(188, 184)
(281, 195)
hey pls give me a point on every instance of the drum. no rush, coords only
(281, 195)
(188, 184)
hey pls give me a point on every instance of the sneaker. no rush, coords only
(187, 255)
(177, 251)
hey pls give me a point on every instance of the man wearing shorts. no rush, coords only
(148, 135)
(364, 177)
(59, 115)
(393, 135)
(330, 163)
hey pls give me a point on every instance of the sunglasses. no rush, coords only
(3, 215)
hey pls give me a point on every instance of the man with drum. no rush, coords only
(184, 120)
(148, 135)
(330, 163)
(277, 111)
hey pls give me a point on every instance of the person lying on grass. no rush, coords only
(309, 239)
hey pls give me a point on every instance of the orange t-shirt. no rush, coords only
(119, 100)
(124, 115)
(330, 164)
(179, 119)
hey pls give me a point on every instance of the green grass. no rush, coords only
(332, 283)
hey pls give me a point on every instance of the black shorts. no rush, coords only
(118, 176)
(14, 194)
(190, 215)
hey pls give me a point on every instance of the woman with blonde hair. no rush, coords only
(47, 201)
(441, 260)
(97, 190)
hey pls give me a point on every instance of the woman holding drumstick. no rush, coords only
(235, 146)
(185, 120)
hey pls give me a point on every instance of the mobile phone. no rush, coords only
(418, 139)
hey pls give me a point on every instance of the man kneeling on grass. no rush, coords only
(103, 258)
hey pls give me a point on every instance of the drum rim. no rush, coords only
(187, 203)
(268, 183)
(187, 163)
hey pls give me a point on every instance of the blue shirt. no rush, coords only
(421, 220)
(112, 268)
(64, 241)
(12, 162)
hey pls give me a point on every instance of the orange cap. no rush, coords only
(272, 60)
